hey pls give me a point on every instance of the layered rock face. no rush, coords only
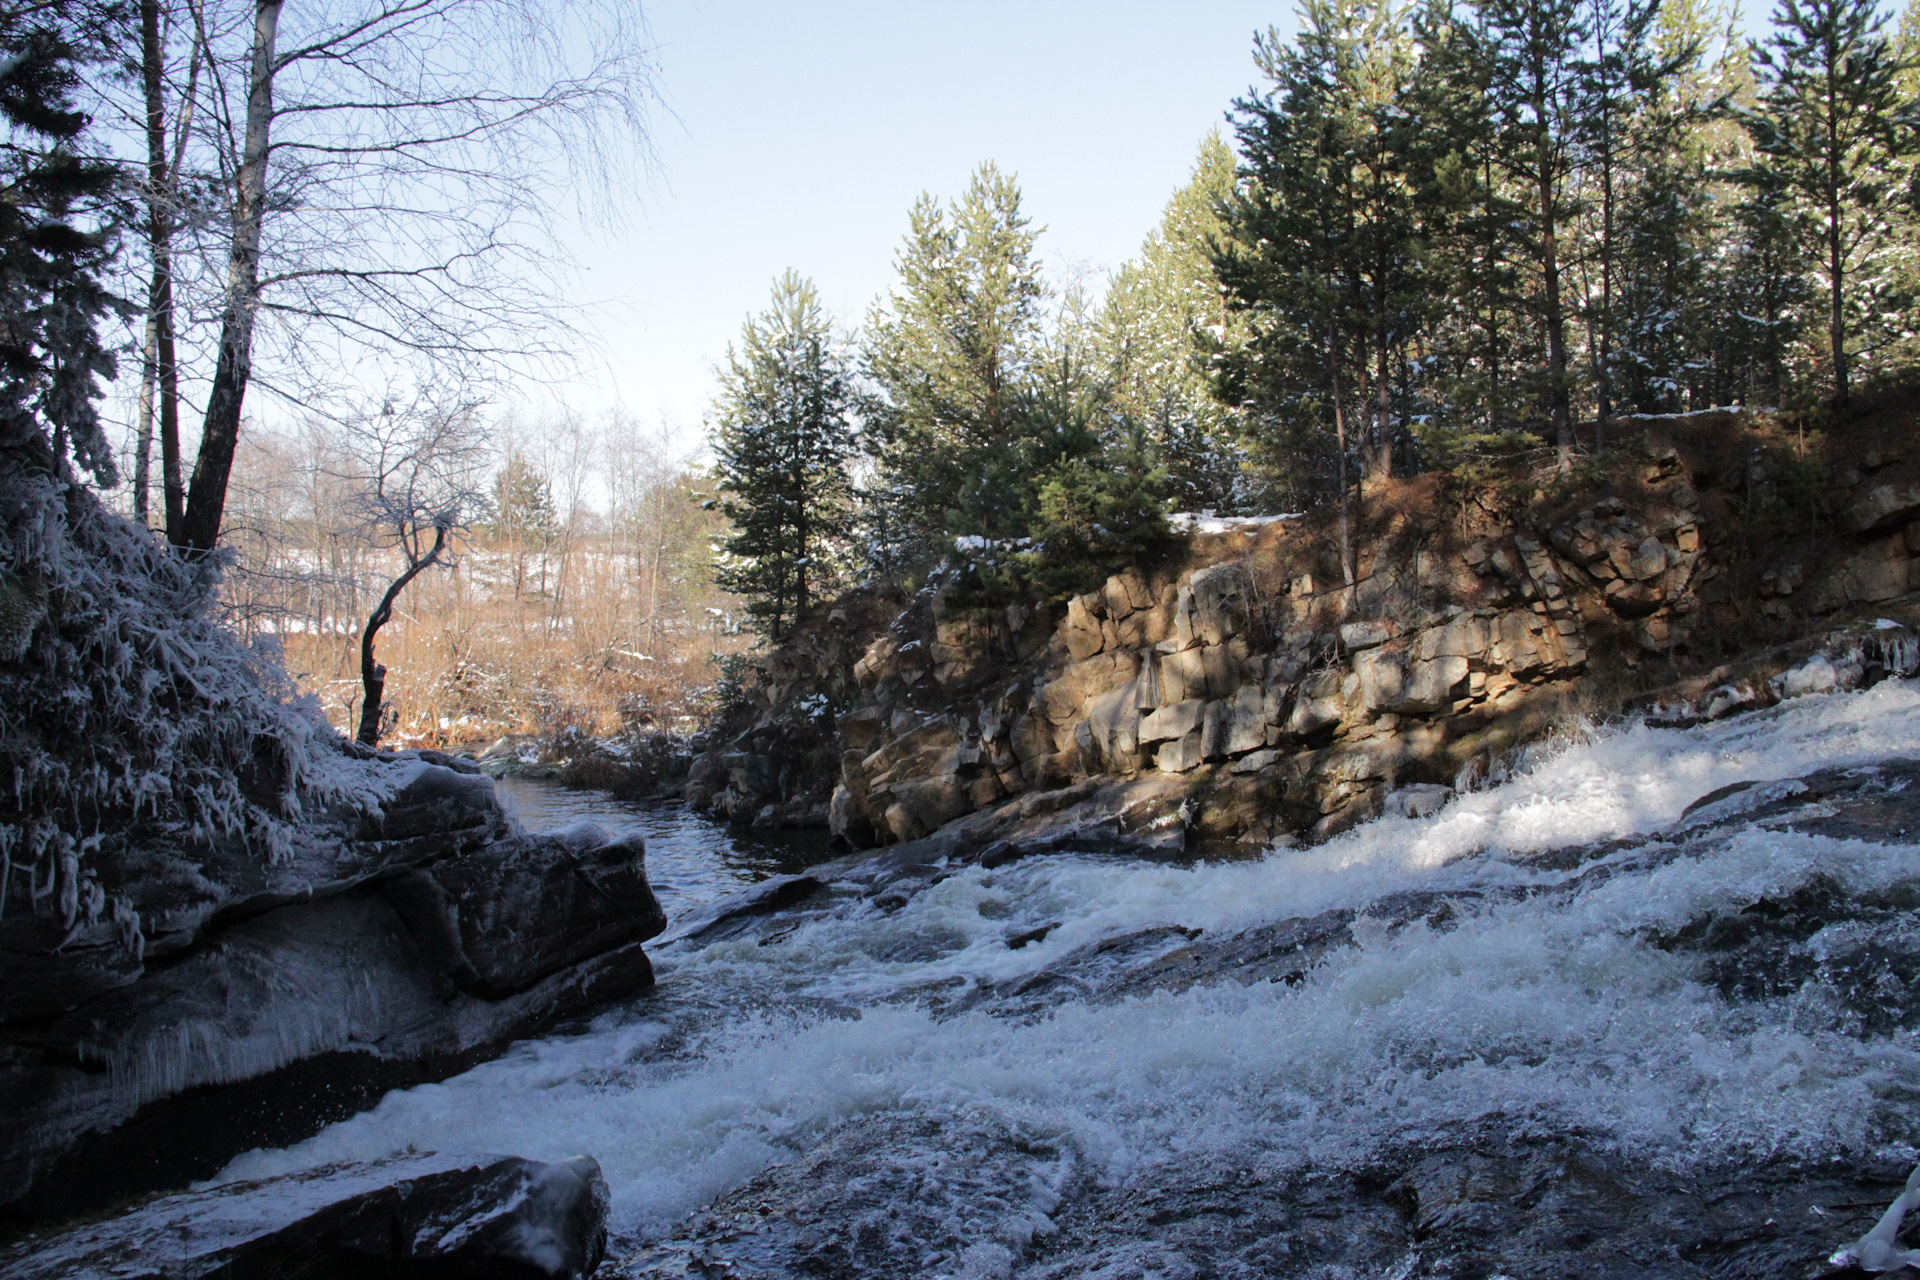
(409, 933)
(1250, 694)
(1241, 677)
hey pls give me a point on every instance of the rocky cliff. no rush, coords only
(1246, 694)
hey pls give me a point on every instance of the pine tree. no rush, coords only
(949, 352)
(1164, 321)
(1620, 140)
(1469, 401)
(1665, 229)
(58, 228)
(1283, 264)
(523, 516)
(782, 437)
(1833, 129)
(1538, 90)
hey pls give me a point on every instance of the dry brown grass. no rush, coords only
(609, 622)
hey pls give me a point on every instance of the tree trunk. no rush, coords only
(1838, 317)
(373, 676)
(1603, 384)
(159, 375)
(1561, 399)
(143, 439)
(1340, 441)
(220, 431)
(1383, 407)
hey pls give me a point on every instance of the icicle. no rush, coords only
(1879, 1250)
(127, 928)
(67, 863)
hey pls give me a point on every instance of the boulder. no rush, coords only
(930, 747)
(1885, 506)
(1649, 560)
(1355, 636)
(1180, 755)
(1461, 637)
(1176, 721)
(1216, 726)
(1878, 571)
(1207, 671)
(1249, 712)
(525, 909)
(488, 1217)
(1222, 603)
(1320, 702)
(1080, 629)
(1418, 800)
(1113, 731)
(1395, 681)
(1063, 698)
(1125, 594)
(932, 801)
(443, 963)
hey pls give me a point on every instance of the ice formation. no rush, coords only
(126, 704)
(1879, 1249)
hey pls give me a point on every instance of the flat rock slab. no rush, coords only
(425, 1215)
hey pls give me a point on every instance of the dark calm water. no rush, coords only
(691, 859)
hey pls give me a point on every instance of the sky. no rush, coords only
(799, 135)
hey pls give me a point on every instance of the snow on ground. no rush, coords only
(1208, 522)
(1550, 1012)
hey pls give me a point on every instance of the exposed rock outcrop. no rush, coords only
(410, 929)
(423, 1215)
(1286, 704)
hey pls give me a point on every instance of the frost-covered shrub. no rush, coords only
(127, 711)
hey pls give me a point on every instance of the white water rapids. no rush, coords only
(1556, 1013)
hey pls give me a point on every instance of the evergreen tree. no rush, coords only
(1283, 265)
(1165, 318)
(58, 227)
(1368, 50)
(1469, 400)
(1833, 128)
(782, 437)
(1621, 77)
(522, 516)
(1538, 88)
(949, 354)
(1659, 219)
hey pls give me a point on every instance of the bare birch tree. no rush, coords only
(394, 176)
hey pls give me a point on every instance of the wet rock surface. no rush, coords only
(415, 1216)
(948, 1191)
(423, 946)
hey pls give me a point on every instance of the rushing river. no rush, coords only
(691, 860)
(1556, 1010)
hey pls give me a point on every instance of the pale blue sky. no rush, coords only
(801, 134)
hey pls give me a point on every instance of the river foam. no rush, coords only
(1552, 1011)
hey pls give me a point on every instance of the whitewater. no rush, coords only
(1554, 1013)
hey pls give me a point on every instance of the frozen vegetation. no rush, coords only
(1558, 1008)
(134, 714)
